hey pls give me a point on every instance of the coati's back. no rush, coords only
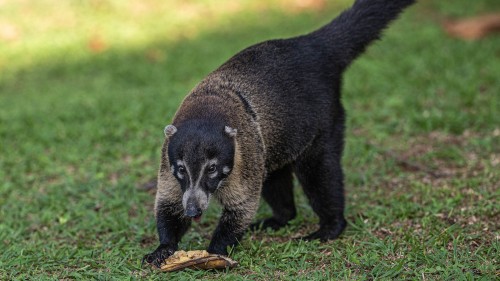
(292, 86)
(288, 87)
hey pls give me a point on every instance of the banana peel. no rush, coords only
(196, 260)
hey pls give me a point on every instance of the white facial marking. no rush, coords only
(202, 171)
(200, 175)
(185, 197)
(230, 131)
(181, 163)
(208, 200)
(226, 170)
(200, 197)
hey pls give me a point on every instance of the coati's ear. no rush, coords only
(230, 131)
(170, 130)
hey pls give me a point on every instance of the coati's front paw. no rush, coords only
(272, 223)
(158, 256)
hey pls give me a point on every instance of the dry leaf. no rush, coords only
(473, 28)
(96, 44)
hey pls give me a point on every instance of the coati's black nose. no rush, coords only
(193, 211)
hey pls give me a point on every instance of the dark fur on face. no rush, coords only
(201, 156)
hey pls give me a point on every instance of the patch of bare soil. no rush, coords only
(438, 169)
(473, 180)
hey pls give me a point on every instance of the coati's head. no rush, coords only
(201, 156)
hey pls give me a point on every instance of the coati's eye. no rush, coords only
(181, 170)
(211, 169)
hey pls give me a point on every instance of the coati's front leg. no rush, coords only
(228, 233)
(171, 223)
(171, 226)
(236, 217)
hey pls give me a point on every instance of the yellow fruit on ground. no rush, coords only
(200, 259)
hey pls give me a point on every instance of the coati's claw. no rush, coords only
(157, 262)
(158, 256)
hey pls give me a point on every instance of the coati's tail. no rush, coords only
(348, 35)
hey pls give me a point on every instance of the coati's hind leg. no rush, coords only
(278, 193)
(320, 173)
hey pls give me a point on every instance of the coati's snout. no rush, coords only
(201, 158)
(195, 201)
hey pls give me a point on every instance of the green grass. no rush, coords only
(86, 88)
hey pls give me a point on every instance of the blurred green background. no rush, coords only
(86, 88)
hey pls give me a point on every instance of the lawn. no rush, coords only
(86, 88)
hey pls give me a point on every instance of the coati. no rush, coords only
(272, 110)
